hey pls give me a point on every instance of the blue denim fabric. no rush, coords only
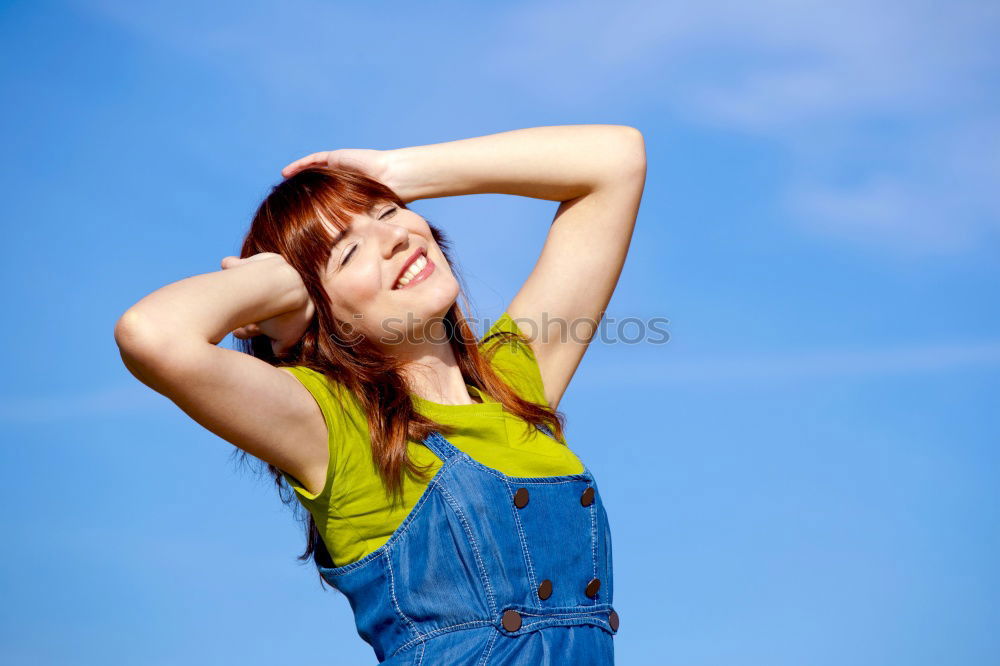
(436, 591)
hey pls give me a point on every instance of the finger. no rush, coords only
(300, 163)
(296, 165)
(293, 169)
(261, 256)
(248, 331)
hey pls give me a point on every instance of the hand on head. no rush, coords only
(372, 163)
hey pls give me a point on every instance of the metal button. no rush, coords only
(592, 588)
(613, 621)
(545, 589)
(587, 498)
(521, 498)
(511, 620)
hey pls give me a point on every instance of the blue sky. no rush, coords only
(806, 473)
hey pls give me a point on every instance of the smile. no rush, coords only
(418, 271)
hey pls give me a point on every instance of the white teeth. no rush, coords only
(415, 267)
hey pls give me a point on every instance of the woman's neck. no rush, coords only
(435, 376)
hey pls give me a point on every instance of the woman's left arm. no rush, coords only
(597, 172)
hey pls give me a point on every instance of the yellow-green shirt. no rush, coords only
(352, 511)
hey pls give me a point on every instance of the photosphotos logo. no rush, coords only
(608, 330)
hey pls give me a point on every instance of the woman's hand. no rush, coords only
(284, 330)
(372, 163)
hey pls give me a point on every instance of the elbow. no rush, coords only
(634, 161)
(135, 347)
(624, 159)
(149, 353)
(624, 156)
(138, 341)
(129, 331)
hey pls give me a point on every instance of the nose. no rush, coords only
(394, 237)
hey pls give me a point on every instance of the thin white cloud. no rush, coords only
(883, 212)
(887, 111)
(899, 96)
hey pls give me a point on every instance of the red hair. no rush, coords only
(290, 222)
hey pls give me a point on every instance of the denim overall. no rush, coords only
(489, 569)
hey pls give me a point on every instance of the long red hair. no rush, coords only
(290, 222)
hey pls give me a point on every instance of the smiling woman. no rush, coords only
(443, 499)
(366, 332)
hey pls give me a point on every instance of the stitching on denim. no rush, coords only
(395, 602)
(483, 576)
(489, 648)
(541, 621)
(564, 616)
(443, 630)
(590, 613)
(565, 622)
(587, 611)
(524, 540)
(538, 619)
(401, 530)
(593, 540)
(608, 554)
(443, 449)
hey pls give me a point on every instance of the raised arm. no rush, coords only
(169, 339)
(597, 172)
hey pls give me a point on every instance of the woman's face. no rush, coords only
(362, 276)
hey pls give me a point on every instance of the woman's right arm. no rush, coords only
(169, 339)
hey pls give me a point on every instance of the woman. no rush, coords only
(443, 500)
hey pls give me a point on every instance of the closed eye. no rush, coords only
(350, 253)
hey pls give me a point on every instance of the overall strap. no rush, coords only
(441, 447)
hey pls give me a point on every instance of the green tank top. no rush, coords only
(352, 511)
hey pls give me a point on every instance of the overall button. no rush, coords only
(545, 589)
(511, 620)
(592, 588)
(613, 621)
(521, 498)
(587, 498)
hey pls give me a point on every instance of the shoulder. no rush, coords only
(506, 345)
